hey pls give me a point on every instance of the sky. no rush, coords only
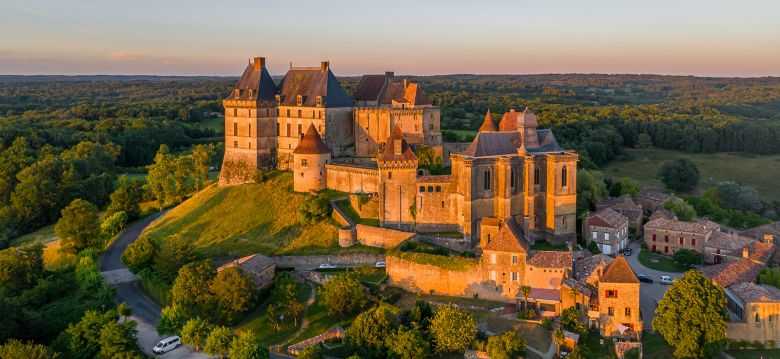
(421, 37)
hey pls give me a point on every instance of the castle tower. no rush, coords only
(397, 182)
(309, 159)
(250, 116)
(487, 123)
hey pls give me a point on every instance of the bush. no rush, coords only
(314, 209)
(139, 254)
(680, 175)
(114, 224)
(505, 346)
(453, 329)
(687, 257)
(343, 294)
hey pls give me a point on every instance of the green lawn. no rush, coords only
(257, 320)
(760, 172)
(245, 219)
(654, 347)
(354, 216)
(319, 321)
(659, 262)
(755, 353)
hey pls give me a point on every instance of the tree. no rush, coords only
(770, 276)
(83, 337)
(124, 310)
(452, 329)
(343, 294)
(126, 198)
(691, 317)
(313, 209)
(190, 291)
(218, 341)
(233, 292)
(174, 253)
(114, 224)
(295, 309)
(525, 291)
(408, 343)
(139, 254)
(570, 320)
(245, 346)
(680, 175)
(420, 315)
(78, 227)
(624, 186)
(16, 349)
(20, 267)
(687, 257)
(172, 319)
(118, 339)
(311, 352)
(170, 177)
(202, 159)
(195, 332)
(681, 209)
(505, 346)
(370, 329)
(644, 141)
(590, 189)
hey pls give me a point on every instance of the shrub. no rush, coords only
(343, 294)
(114, 224)
(453, 329)
(687, 257)
(679, 175)
(505, 346)
(139, 254)
(314, 209)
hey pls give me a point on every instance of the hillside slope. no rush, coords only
(246, 219)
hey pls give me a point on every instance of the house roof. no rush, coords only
(662, 213)
(403, 91)
(551, 259)
(761, 252)
(310, 82)
(311, 143)
(760, 231)
(257, 79)
(701, 226)
(727, 241)
(509, 239)
(583, 268)
(254, 264)
(619, 203)
(619, 271)
(370, 87)
(750, 292)
(607, 217)
(738, 271)
(389, 152)
(487, 123)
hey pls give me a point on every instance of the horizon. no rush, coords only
(698, 38)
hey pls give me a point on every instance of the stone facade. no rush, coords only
(666, 236)
(755, 313)
(608, 229)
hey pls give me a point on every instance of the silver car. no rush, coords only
(166, 345)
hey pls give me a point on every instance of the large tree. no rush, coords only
(126, 197)
(218, 341)
(679, 175)
(408, 343)
(453, 329)
(233, 292)
(195, 333)
(79, 225)
(370, 330)
(505, 346)
(343, 294)
(190, 291)
(15, 349)
(246, 346)
(118, 340)
(691, 316)
(20, 267)
(173, 254)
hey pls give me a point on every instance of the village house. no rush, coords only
(666, 235)
(259, 268)
(608, 229)
(626, 206)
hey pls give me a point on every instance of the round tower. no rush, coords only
(309, 159)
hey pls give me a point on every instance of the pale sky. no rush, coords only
(196, 37)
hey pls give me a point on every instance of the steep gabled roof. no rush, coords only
(487, 123)
(731, 272)
(389, 153)
(257, 79)
(311, 143)
(607, 217)
(507, 240)
(370, 87)
(493, 144)
(404, 91)
(310, 82)
(619, 271)
(551, 259)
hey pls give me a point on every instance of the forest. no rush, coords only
(63, 137)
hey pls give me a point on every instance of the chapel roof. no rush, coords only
(311, 143)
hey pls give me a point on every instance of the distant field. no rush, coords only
(761, 172)
(245, 219)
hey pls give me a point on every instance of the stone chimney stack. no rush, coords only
(324, 66)
(405, 82)
(259, 63)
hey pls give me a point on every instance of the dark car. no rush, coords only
(627, 252)
(644, 278)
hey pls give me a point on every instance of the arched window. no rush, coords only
(564, 177)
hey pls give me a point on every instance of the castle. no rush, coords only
(511, 173)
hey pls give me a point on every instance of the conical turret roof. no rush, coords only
(311, 143)
(488, 124)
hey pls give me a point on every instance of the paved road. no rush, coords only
(128, 290)
(650, 294)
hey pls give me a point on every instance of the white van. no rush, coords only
(166, 345)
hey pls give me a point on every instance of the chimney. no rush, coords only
(259, 63)
(389, 75)
(769, 238)
(746, 252)
(324, 66)
(405, 82)
(511, 110)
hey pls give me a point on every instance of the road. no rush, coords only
(650, 293)
(128, 290)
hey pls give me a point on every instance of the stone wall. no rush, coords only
(347, 259)
(366, 209)
(380, 237)
(351, 178)
(764, 330)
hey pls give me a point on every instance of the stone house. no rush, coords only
(259, 268)
(618, 300)
(626, 206)
(666, 236)
(608, 229)
(651, 200)
(754, 312)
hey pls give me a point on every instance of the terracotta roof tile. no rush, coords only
(389, 152)
(507, 240)
(487, 123)
(619, 271)
(726, 274)
(551, 259)
(311, 143)
(583, 268)
(701, 226)
(607, 217)
(754, 293)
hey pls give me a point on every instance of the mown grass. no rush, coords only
(760, 172)
(346, 207)
(43, 235)
(246, 219)
(257, 321)
(659, 262)
(452, 262)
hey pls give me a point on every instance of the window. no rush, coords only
(653, 237)
(438, 188)
(666, 239)
(300, 113)
(515, 276)
(277, 129)
(442, 204)
(300, 130)
(514, 259)
(318, 100)
(693, 242)
(611, 293)
(299, 100)
(235, 129)
(512, 179)
(564, 178)
(681, 241)
(492, 257)
(487, 180)
(235, 144)
(628, 312)
(304, 163)
(235, 112)
(537, 174)
(288, 112)
(758, 319)
(250, 129)
(430, 188)
(422, 189)
(493, 275)
(288, 130)
(611, 311)
(389, 175)
(595, 235)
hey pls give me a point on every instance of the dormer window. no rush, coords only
(278, 99)
(237, 93)
(251, 92)
(299, 100)
(318, 101)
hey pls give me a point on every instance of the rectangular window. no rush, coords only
(304, 163)
(300, 130)
(389, 175)
(681, 241)
(514, 276)
(628, 312)
(422, 189)
(487, 180)
(693, 242)
(492, 258)
(438, 188)
(288, 129)
(300, 113)
(611, 311)
(606, 236)
(277, 129)
(666, 239)
(288, 112)
(611, 293)
(653, 237)
(514, 259)
(537, 174)
(430, 188)
(235, 129)
(595, 235)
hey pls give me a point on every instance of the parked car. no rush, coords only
(627, 252)
(665, 279)
(380, 264)
(644, 278)
(166, 345)
(327, 266)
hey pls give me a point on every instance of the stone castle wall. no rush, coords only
(351, 179)
(380, 237)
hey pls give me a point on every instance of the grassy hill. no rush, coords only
(245, 219)
(761, 172)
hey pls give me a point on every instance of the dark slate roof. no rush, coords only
(311, 143)
(619, 271)
(494, 144)
(257, 79)
(547, 142)
(370, 87)
(310, 83)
